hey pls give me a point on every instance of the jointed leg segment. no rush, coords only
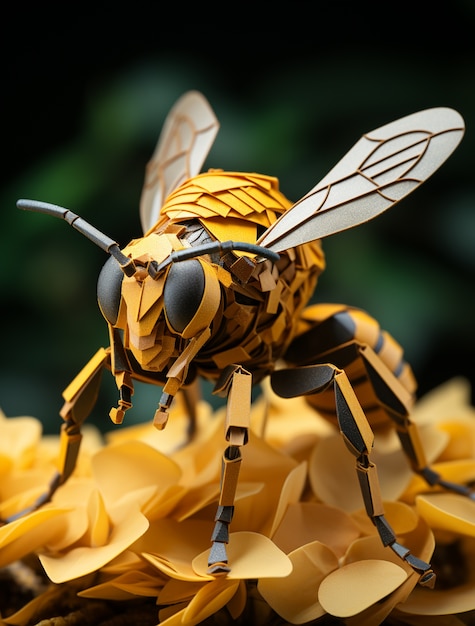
(359, 439)
(80, 397)
(236, 382)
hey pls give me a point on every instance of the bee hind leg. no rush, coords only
(359, 439)
(389, 392)
(409, 437)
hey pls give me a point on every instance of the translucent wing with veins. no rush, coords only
(383, 167)
(186, 138)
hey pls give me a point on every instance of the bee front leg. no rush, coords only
(236, 382)
(80, 398)
(120, 368)
(359, 439)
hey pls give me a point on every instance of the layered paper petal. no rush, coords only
(355, 587)
(136, 518)
(252, 556)
(295, 597)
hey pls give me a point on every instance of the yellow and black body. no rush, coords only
(219, 287)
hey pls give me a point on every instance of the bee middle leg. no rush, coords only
(236, 383)
(359, 439)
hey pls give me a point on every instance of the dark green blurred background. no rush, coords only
(83, 99)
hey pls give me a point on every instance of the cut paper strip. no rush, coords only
(355, 587)
(295, 597)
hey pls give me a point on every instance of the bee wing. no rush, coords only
(383, 167)
(186, 138)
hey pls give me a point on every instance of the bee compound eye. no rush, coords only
(109, 286)
(191, 297)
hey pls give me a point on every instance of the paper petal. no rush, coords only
(209, 599)
(84, 560)
(401, 517)
(420, 541)
(175, 591)
(123, 468)
(357, 586)
(334, 479)
(457, 599)
(305, 522)
(31, 610)
(267, 465)
(462, 440)
(449, 602)
(127, 586)
(451, 398)
(237, 604)
(125, 562)
(20, 436)
(448, 511)
(171, 546)
(99, 526)
(29, 533)
(291, 492)
(295, 597)
(461, 471)
(250, 555)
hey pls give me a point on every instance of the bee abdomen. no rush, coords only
(338, 334)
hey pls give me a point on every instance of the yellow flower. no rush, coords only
(136, 518)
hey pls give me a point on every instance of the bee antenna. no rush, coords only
(209, 248)
(100, 239)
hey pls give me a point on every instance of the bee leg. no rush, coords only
(359, 439)
(408, 433)
(192, 396)
(120, 368)
(390, 394)
(80, 397)
(236, 383)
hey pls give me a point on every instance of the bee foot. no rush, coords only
(218, 559)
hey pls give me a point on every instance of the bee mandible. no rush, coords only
(218, 287)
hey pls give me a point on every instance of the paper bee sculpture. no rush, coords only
(218, 287)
